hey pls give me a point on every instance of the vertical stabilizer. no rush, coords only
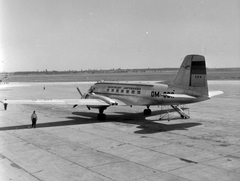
(193, 74)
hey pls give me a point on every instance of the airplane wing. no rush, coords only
(214, 93)
(95, 102)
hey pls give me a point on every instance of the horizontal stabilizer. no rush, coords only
(180, 96)
(214, 93)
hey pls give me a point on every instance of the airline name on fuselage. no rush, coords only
(129, 88)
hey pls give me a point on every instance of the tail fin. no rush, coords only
(193, 75)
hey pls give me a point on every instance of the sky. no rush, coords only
(105, 34)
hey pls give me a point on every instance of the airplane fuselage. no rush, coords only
(143, 94)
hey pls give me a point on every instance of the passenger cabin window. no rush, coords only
(133, 92)
(122, 91)
(112, 90)
(127, 91)
(138, 92)
(107, 90)
(117, 90)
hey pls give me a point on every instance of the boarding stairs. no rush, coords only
(180, 112)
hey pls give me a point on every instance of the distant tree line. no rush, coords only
(95, 71)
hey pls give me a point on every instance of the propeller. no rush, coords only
(79, 92)
(81, 97)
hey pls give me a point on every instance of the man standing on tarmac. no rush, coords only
(5, 104)
(34, 119)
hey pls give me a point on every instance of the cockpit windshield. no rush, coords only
(91, 89)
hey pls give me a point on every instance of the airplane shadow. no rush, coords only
(153, 127)
(72, 121)
(146, 126)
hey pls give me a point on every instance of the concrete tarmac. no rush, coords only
(70, 144)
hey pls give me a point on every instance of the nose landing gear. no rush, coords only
(101, 116)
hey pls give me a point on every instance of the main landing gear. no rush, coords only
(147, 111)
(101, 116)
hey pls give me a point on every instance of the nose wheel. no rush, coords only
(101, 116)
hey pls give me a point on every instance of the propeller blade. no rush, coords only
(79, 91)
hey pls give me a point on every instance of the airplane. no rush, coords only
(189, 86)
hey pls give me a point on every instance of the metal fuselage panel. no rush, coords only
(143, 94)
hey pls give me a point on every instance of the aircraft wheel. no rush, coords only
(147, 112)
(101, 117)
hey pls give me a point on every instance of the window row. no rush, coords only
(124, 91)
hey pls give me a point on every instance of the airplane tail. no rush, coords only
(192, 75)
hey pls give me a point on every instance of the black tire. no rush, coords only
(101, 117)
(147, 112)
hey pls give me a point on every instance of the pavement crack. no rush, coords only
(38, 171)
(90, 167)
(2, 156)
(188, 161)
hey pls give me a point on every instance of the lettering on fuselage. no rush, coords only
(114, 87)
(158, 94)
(129, 88)
(155, 94)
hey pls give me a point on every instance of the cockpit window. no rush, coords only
(91, 89)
